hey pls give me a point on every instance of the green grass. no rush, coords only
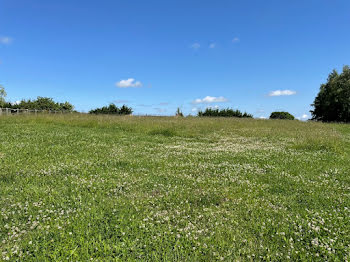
(102, 188)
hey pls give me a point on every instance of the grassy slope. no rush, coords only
(130, 188)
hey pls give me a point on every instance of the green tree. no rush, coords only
(2, 96)
(228, 112)
(179, 113)
(112, 109)
(42, 103)
(281, 115)
(332, 104)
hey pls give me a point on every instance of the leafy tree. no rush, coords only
(2, 96)
(124, 110)
(179, 113)
(112, 109)
(281, 115)
(228, 112)
(41, 103)
(332, 104)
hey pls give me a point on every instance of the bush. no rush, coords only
(281, 115)
(223, 113)
(112, 109)
(332, 104)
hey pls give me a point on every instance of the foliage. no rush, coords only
(281, 115)
(112, 109)
(104, 188)
(41, 103)
(2, 96)
(224, 113)
(332, 104)
(179, 113)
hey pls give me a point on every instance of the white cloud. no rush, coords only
(212, 45)
(235, 40)
(195, 46)
(210, 99)
(304, 117)
(5, 40)
(194, 109)
(282, 93)
(128, 83)
(262, 117)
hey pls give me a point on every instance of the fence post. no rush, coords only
(17, 111)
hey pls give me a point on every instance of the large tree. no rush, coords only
(332, 104)
(2, 95)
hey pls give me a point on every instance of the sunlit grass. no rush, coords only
(82, 187)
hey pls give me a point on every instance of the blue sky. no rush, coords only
(257, 56)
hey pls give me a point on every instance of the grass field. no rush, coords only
(80, 187)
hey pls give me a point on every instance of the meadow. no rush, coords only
(108, 188)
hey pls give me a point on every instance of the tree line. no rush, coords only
(332, 103)
(41, 103)
(112, 109)
(228, 112)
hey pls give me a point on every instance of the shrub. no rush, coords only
(281, 115)
(112, 109)
(228, 112)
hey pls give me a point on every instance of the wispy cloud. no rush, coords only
(282, 93)
(236, 40)
(121, 101)
(163, 103)
(195, 46)
(160, 110)
(210, 99)
(130, 82)
(5, 40)
(212, 45)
